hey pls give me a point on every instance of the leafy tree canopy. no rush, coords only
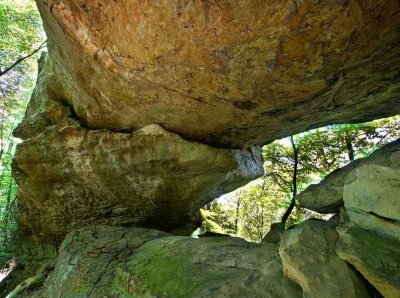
(251, 210)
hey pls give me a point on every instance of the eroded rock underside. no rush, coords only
(146, 110)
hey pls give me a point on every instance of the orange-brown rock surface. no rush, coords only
(226, 72)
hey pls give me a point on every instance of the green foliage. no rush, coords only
(250, 212)
(260, 204)
(20, 35)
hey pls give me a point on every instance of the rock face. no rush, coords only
(372, 200)
(30, 253)
(146, 110)
(71, 176)
(370, 230)
(228, 73)
(375, 256)
(101, 261)
(327, 196)
(308, 255)
(128, 90)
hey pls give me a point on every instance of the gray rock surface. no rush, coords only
(372, 198)
(374, 256)
(308, 255)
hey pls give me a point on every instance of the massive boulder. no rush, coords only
(228, 72)
(129, 88)
(69, 175)
(366, 192)
(145, 110)
(327, 196)
(104, 261)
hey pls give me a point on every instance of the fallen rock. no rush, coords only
(101, 261)
(70, 176)
(229, 73)
(327, 196)
(308, 255)
(375, 256)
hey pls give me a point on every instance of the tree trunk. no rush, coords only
(7, 214)
(294, 182)
(349, 146)
(237, 216)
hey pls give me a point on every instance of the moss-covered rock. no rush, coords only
(104, 261)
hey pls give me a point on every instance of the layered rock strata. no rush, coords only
(309, 258)
(134, 118)
(350, 258)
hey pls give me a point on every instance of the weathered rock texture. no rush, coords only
(327, 196)
(367, 191)
(121, 77)
(372, 199)
(375, 256)
(309, 258)
(101, 261)
(71, 176)
(126, 94)
(30, 253)
(370, 231)
(224, 72)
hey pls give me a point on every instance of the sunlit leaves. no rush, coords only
(20, 34)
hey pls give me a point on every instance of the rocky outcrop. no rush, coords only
(308, 255)
(374, 256)
(146, 110)
(102, 261)
(228, 73)
(128, 90)
(71, 176)
(370, 230)
(30, 254)
(327, 196)
(367, 191)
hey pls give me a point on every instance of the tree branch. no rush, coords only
(3, 72)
